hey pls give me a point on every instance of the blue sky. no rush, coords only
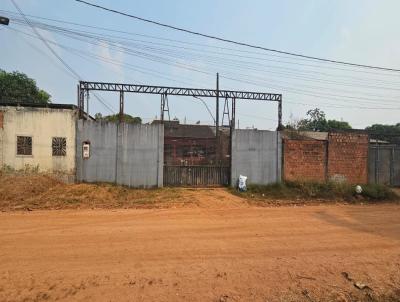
(361, 31)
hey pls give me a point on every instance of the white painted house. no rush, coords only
(39, 137)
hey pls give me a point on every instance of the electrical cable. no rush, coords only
(235, 42)
(304, 92)
(69, 68)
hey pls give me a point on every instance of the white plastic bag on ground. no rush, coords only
(242, 183)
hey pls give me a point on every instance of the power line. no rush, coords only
(86, 33)
(327, 104)
(45, 42)
(208, 109)
(85, 55)
(235, 42)
(57, 28)
(253, 82)
(69, 68)
(297, 91)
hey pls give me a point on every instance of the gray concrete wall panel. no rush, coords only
(256, 154)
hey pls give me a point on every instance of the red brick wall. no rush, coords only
(304, 160)
(348, 157)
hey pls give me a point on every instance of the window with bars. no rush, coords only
(59, 146)
(24, 145)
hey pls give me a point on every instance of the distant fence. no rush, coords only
(125, 154)
(384, 164)
(197, 176)
(257, 155)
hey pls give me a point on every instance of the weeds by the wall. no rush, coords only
(326, 191)
(27, 169)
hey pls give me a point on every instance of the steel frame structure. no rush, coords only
(164, 91)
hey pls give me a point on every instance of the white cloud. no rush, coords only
(106, 51)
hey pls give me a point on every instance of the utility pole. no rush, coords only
(280, 126)
(4, 20)
(217, 105)
(217, 121)
(121, 106)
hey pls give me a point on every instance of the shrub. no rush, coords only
(379, 192)
(315, 190)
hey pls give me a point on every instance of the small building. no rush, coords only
(38, 137)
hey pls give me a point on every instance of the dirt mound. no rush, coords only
(29, 192)
(44, 192)
(19, 188)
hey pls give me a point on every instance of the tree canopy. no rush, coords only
(384, 129)
(115, 118)
(18, 87)
(316, 121)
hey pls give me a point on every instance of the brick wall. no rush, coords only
(344, 156)
(304, 160)
(348, 157)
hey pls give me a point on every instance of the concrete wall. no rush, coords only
(42, 124)
(125, 154)
(304, 160)
(101, 165)
(257, 155)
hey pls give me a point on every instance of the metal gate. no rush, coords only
(384, 164)
(196, 176)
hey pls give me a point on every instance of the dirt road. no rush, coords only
(201, 254)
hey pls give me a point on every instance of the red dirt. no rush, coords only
(41, 192)
(213, 252)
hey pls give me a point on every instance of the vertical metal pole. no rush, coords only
(280, 126)
(121, 106)
(78, 100)
(162, 108)
(232, 127)
(87, 104)
(217, 121)
(81, 102)
(233, 122)
(166, 105)
(217, 106)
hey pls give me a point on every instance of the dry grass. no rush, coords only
(37, 191)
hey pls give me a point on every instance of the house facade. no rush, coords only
(38, 137)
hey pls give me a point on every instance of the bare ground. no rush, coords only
(41, 192)
(218, 248)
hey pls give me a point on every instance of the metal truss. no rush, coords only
(164, 91)
(244, 95)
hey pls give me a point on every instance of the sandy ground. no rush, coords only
(221, 250)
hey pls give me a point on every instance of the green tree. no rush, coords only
(384, 129)
(334, 124)
(316, 121)
(98, 116)
(18, 87)
(115, 118)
